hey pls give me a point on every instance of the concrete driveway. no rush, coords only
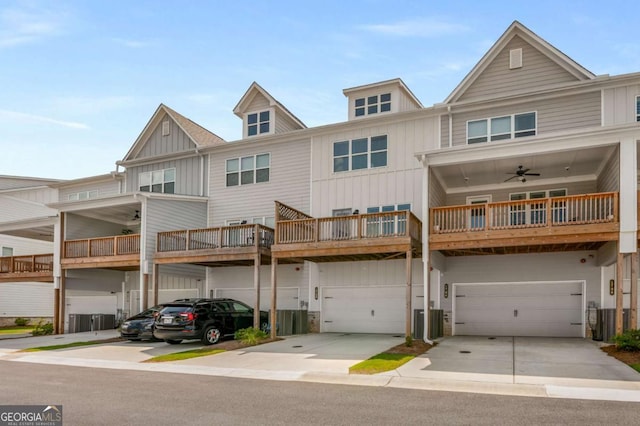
(522, 360)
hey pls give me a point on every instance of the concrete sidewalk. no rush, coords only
(560, 368)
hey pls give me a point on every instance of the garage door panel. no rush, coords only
(363, 309)
(520, 309)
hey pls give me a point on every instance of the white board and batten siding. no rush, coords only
(164, 296)
(538, 309)
(399, 182)
(288, 183)
(26, 299)
(619, 105)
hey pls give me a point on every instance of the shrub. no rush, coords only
(42, 329)
(628, 341)
(21, 322)
(250, 336)
(408, 341)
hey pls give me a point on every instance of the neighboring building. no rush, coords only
(511, 207)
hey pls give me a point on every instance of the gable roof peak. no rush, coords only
(255, 89)
(518, 29)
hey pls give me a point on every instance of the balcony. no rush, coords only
(356, 237)
(578, 222)
(222, 246)
(114, 252)
(37, 267)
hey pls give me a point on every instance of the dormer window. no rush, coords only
(258, 123)
(373, 104)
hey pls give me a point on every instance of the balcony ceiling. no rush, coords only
(554, 168)
(118, 214)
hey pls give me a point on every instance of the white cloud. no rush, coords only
(31, 118)
(133, 44)
(26, 25)
(425, 27)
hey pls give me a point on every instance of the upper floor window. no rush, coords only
(258, 123)
(158, 181)
(82, 195)
(363, 153)
(247, 170)
(498, 128)
(373, 104)
(637, 108)
(7, 251)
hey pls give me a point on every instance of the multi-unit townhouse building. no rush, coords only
(511, 207)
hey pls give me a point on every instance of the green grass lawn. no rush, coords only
(179, 356)
(17, 330)
(69, 345)
(380, 363)
(636, 367)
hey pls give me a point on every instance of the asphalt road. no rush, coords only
(118, 397)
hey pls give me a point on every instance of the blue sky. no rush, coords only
(80, 79)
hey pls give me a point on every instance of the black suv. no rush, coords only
(206, 319)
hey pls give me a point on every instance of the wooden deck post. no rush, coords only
(619, 293)
(273, 317)
(633, 309)
(409, 259)
(156, 280)
(256, 286)
(63, 298)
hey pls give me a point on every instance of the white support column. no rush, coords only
(628, 196)
(426, 255)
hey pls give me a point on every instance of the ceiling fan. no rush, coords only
(520, 174)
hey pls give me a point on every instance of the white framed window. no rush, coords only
(163, 181)
(373, 104)
(248, 170)
(82, 195)
(534, 213)
(387, 225)
(362, 153)
(504, 127)
(638, 108)
(259, 123)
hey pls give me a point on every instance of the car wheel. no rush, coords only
(211, 335)
(173, 342)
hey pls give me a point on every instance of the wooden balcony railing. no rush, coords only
(542, 212)
(104, 246)
(27, 263)
(214, 238)
(354, 227)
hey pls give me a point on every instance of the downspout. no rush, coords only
(426, 257)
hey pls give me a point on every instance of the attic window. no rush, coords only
(373, 104)
(515, 58)
(258, 123)
(165, 128)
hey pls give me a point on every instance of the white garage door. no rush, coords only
(554, 309)
(363, 309)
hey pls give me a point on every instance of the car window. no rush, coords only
(240, 307)
(172, 310)
(221, 306)
(202, 308)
